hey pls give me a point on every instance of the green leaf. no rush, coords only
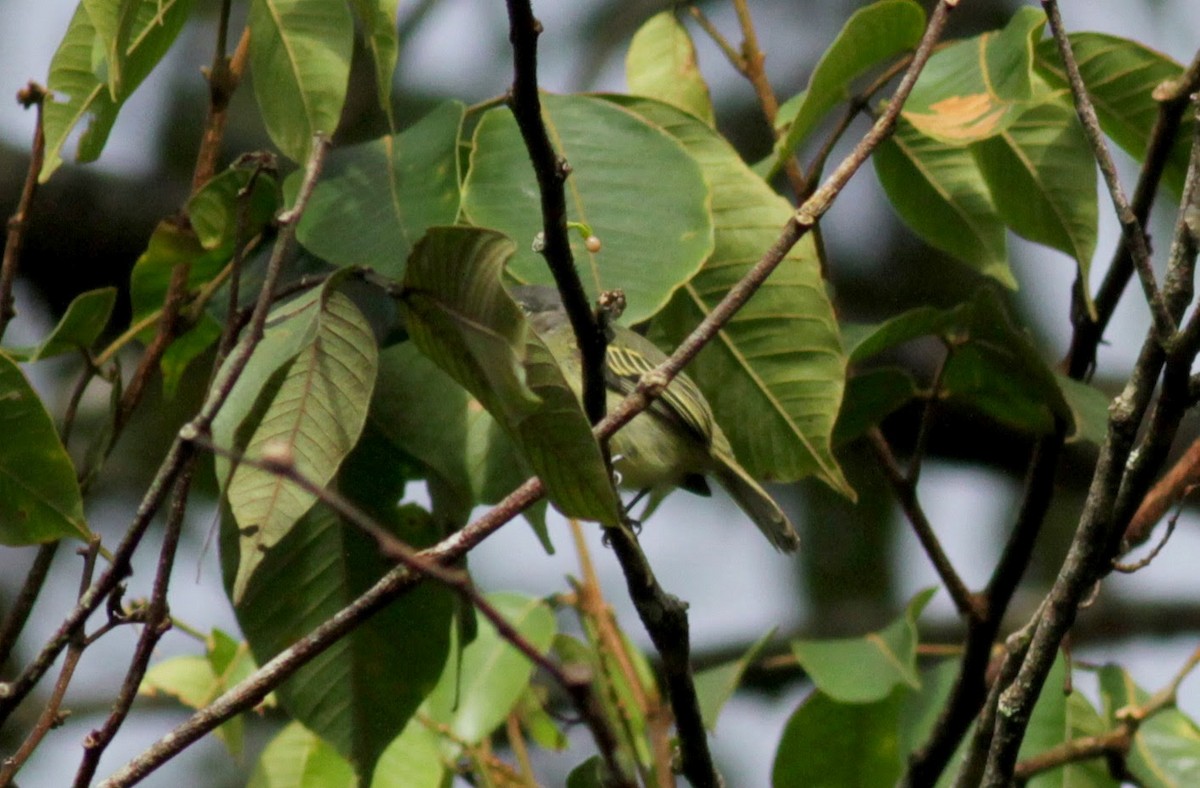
(1089, 409)
(197, 681)
(648, 251)
(376, 199)
(213, 211)
(298, 758)
(113, 21)
(775, 374)
(361, 692)
(300, 58)
(1166, 747)
(78, 94)
(1121, 77)
(589, 774)
(866, 669)
(827, 744)
(915, 323)
(39, 496)
(715, 686)
(870, 398)
(661, 64)
(170, 244)
(872, 35)
(1042, 179)
(80, 326)
(315, 417)
(976, 87)
(413, 760)
(475, 698)
(380, 21)
(1059, 717)
(940, 193)
(185, 349)
(459, 315)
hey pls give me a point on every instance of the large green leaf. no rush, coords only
(1166, 746)
(362, 691)
(661, 64)
(78, 93)
(827, 744)
(1121, 77)
(1042, 178)
(866, 669)
(316, 417)
(300, 59)
(642, 194)
(870, 397)
(475, 697)
(380, 19)
(39, 496)
(872, 35)
(940, 193)
(113, 21)
(298, 758)
(459, 315)
(376, 199)
(412, 760)
(975, 88)
(775, 374)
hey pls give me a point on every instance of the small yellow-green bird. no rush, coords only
(676, 442)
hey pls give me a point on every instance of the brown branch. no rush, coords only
(967, 604)
(32, 95)
(552, 171)
(1131, 228)
(1169, 491)
(223, 77)
(51, 716)
(15, 621)
(156, 623)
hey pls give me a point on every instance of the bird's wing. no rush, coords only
(682, 401)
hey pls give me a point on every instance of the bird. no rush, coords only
(676, 441)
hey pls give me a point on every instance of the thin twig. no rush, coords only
(157, 623)
(1130, 226)
(32, 95)
(905, 490)
(1139, 565)
(14, 622)
(223, 77)
(51, 716)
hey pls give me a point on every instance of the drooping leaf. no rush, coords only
(976, 87)
(1042, 178)
(320, 566)
(298, 758)
(77, 94)
(113, 21)
(716, 685)
(642, 194)
(475, 699)
(459, 315)
(376, 199)
(380, 20)
(1121, 78)
(940, 193)
(871, 36)
(871, 397)
(315, 417)
(300, 59)
(831, 743)
(1166, 747)
(39, 496)
(81, 324)
(661, 64)
(775, 374)
(866, 669)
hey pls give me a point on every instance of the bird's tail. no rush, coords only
(759, 506)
